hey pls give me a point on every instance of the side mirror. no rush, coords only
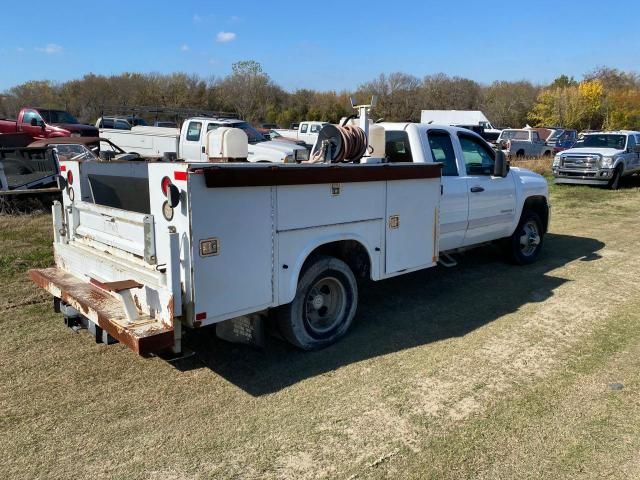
(501, 167)
(34, 122)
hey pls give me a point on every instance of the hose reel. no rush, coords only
(339, 143)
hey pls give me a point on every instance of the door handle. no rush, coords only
(477, 189)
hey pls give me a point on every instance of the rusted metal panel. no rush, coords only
(144, 336)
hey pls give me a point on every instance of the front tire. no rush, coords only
(324, 306)
(614, 183)
(523, 247)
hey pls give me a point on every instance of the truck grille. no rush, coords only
(580, 162)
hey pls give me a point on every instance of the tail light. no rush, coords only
(70, 177)
(164, 185)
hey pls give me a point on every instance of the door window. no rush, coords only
(315, 128)
(303, 128)
(442, 152)
(631, 143)
(479, 159)
(193, 131)
(397, 148)
(30, 115)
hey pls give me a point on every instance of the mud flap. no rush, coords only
(248, 329)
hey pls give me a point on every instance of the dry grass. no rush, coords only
(541, 165)
(482, 371)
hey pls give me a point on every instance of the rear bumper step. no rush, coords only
(144, 336)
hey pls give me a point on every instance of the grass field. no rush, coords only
(483, 371)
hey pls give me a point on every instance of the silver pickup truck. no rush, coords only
(600, 158)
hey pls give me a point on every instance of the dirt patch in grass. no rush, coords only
(482, 371)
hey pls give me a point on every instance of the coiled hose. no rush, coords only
(339, 143)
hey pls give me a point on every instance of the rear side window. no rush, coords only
(123, 125)
(106, 123)
(397, 148)
(193, 131)
(442, 152)
(478, 157)
(303, 128)
(631, 143)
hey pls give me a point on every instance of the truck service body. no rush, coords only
(226, 243)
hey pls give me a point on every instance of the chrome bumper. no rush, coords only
(601, 176)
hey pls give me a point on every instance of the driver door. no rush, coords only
(492, 202)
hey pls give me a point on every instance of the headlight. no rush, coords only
(607, 162)
(556, 161)
(288, 159)
(302, 155)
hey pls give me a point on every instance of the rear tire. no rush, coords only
(324, 306)
(523, 247)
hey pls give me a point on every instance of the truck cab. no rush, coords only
(193, 142)
(48, 123)
(479, 203)
(599, 158)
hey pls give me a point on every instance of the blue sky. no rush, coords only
(324, 44)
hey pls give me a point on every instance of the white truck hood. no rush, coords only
(272, 151)
(608, 152)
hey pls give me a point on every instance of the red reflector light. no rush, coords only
(180, 175)
(164, 184)
(201, 316)
(70, 177)
(63, 168)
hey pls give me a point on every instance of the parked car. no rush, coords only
(523, 142)
(601, 158)
(306, 131)
(274, 135)
(120, 123)
(101, 148)
(165, 124)
(47, 123)
(27, 168)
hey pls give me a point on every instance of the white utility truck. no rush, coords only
(307, 132)
(190, 142)
(599, 158)
(231, 244)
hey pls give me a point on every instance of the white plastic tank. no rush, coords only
(226, 144)
(376, 141)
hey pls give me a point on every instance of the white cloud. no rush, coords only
(197, 18)
(19, 49)
(50, 49)
(224, 37)
(184, 47)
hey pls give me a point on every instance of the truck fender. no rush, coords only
(288, 278)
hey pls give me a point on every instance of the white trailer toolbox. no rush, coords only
(142, 249)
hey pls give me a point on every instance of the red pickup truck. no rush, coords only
(47, 123)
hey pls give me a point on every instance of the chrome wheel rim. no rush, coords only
(325, 305)
(530, 238)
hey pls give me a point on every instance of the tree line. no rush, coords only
(604, 98)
